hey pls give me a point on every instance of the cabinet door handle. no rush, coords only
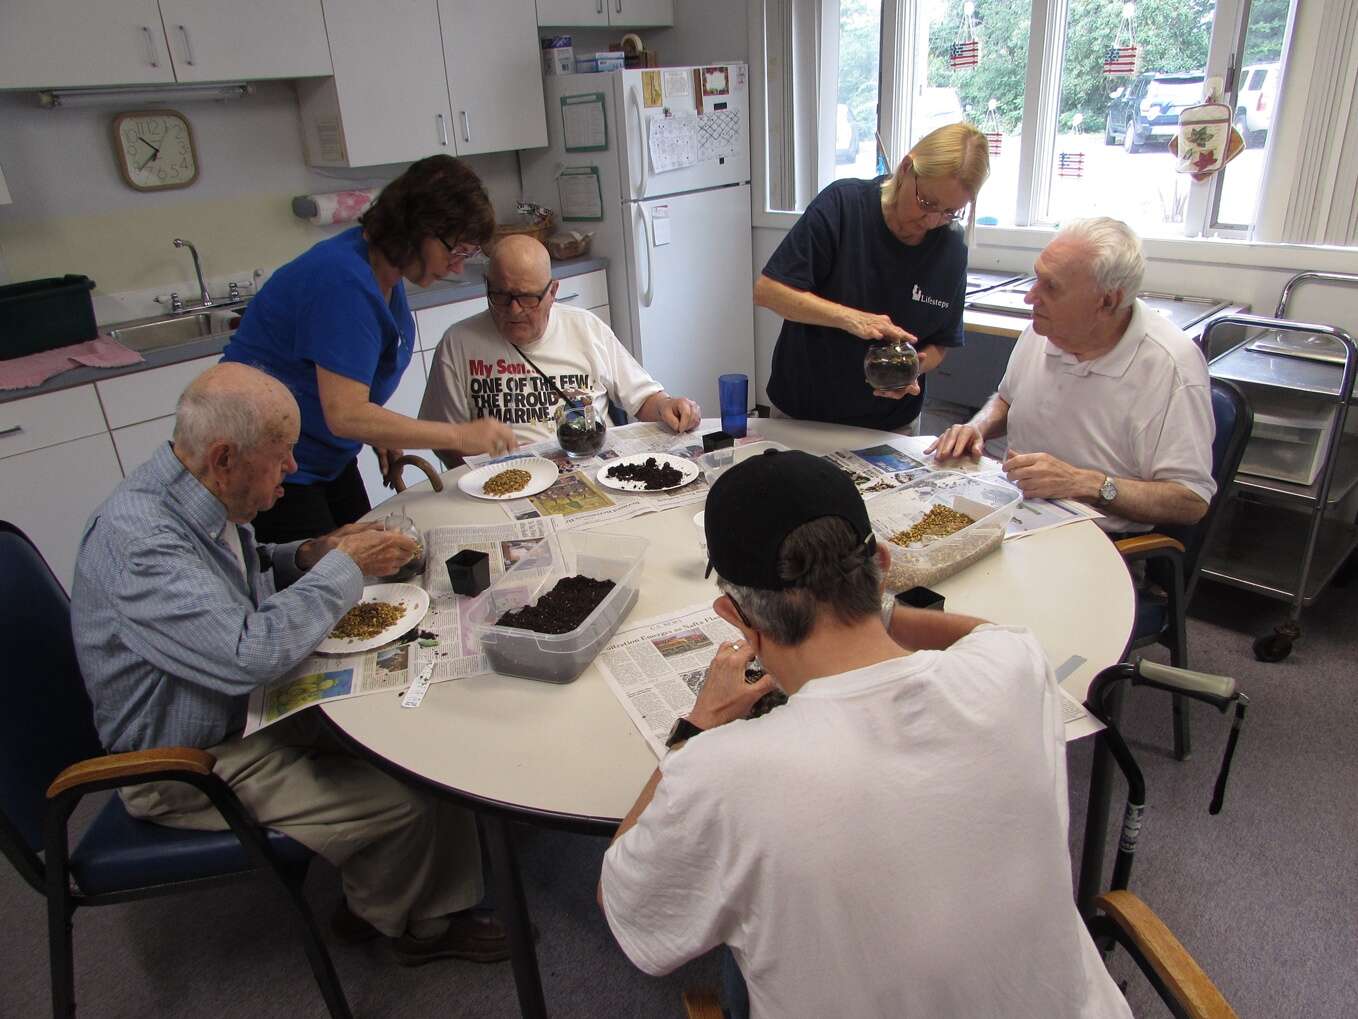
(151, 55)
(443, 129)
(466, 127)
(188, 44)
(619, 6)
(12, 430)
(599, 7)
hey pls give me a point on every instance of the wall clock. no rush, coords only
(154, 150)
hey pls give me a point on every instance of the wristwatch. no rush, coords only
(1108, 491)
(681, 730)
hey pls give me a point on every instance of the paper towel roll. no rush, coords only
(335, 207)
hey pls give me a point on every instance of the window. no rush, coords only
(1067, 138)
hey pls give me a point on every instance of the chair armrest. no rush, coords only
(1144, 545)
(1177, 971)
(702, 1004)
(137, 765)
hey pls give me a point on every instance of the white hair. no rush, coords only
(1118, 263)
(227, 403)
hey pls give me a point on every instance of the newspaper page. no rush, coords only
(656, 667)
(1033, 515)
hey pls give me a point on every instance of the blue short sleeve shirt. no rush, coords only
(325, 308)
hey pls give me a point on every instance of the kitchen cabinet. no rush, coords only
(494, 75)
(71, 43)
(147, 395)
(136, 444)
(417, 77)
(622, 13)
(388, 99)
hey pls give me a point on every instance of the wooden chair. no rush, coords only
(50, 758)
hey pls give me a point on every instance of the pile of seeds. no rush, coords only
(507, 482)
(939, 522)
(562, 609)
(651, 474)
(367, 619)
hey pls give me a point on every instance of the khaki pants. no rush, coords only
(403, 856)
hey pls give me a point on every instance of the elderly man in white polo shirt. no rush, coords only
(1103, 400)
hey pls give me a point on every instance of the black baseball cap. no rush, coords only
(756, 504)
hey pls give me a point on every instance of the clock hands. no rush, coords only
(155, 153)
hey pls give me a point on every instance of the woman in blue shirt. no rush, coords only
(335, 327)
(873, 260)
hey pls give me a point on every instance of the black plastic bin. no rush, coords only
(45, 314)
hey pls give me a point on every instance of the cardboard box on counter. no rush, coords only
(558, 56)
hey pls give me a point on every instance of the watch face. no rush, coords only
(155, 150)
(1108, 491)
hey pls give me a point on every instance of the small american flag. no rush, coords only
(1119, 60)
(964, 54)
(1070, 164)
(994, 140)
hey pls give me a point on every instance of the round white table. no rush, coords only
(568, 756)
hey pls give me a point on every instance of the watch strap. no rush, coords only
(683, 729)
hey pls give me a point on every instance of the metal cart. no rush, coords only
(1275, 530)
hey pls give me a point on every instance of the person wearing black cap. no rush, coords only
(892, 840)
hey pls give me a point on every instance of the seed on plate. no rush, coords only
(367, 619)
(507, 482)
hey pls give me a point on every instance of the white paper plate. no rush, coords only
(687, 469)
(544, 474)
(416, 601)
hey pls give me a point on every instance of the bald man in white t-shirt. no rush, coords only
(1103, 401)
(484, 366)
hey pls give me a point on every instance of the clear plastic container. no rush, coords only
(989, 502)
(558, 657)
(1290, 437)
(717, 462)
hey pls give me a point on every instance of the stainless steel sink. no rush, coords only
(172, 331)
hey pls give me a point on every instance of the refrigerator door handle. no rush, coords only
(648, 292)
(634, 97)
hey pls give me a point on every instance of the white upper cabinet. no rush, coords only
(70, 43)
(388, 99)
(622, 13)
(212, 40)
(494, 75)
(45, 43)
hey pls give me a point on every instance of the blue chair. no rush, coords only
(1173, 554)
(52, 758)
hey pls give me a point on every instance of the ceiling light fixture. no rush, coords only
(141, 95)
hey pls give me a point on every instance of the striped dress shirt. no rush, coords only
(171, 635)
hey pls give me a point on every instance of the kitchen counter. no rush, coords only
(471, 284)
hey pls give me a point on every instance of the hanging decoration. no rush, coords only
(1123, 58)
(1070, 164)
(990, 127)
(966, 49)
(1206, 140)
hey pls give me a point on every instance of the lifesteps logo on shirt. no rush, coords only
(924, 298)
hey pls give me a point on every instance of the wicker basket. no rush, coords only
(538, 227)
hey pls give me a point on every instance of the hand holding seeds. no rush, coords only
(377, 553)
(726, 694)
(1043, 476)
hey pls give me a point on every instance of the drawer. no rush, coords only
(137, 443)
(45, 420)
(434, 322)
(588, 290)
(151, 394)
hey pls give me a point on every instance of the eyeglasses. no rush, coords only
(462, 251)
(741, 612)
(529, 301)
(933, 208)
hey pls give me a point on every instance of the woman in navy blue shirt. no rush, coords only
(873, 260)
(335, 327)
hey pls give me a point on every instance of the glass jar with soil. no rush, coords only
(580, 428)
(891, 366)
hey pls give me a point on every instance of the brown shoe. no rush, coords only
(474, 935)
(351, 929)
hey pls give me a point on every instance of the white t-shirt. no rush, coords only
(891, 842)
(1143, 410)
(478, 373)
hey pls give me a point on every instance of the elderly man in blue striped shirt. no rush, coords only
(178, 615)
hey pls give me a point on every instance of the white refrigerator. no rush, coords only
(670, 150)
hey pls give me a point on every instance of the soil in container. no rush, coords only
(579, 437)
(890, 366)
(561, 609)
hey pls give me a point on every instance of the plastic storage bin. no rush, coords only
(558, 657)
(1290, 436)
(45, 314)
(990, 503)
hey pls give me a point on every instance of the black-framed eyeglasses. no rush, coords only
(741, 612)
(528, 301)
(933, 208)
(462, 251)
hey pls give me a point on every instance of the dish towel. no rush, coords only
(35, 369)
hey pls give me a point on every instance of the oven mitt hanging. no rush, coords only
(1206, 141)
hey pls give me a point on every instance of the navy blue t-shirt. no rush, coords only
(842, 250)
(325, 308)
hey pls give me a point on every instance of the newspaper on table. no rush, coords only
(656, 667)
(1033, 515)
(446, 639)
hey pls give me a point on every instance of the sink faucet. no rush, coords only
(197, 268)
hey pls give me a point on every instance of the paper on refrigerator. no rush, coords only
(448, 642)
(672, 141)
(656, 667)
